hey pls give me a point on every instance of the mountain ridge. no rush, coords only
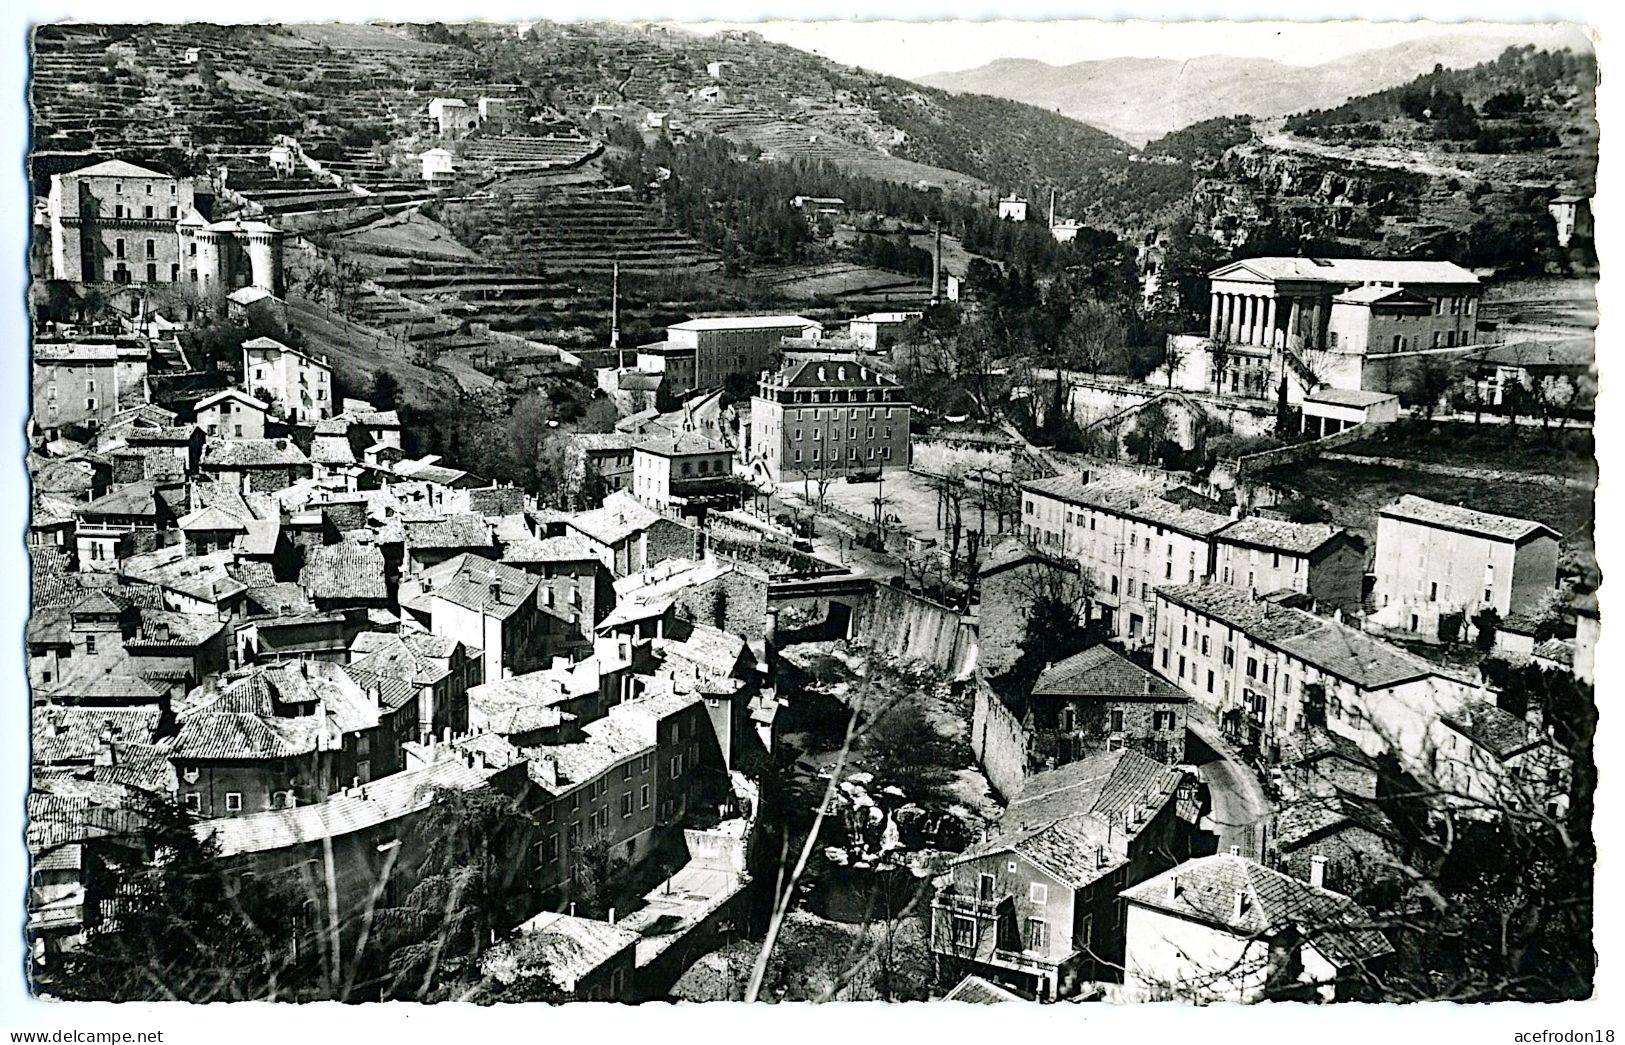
(1139, 99)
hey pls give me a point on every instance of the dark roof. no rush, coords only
(1310, 818)
(1106, 786)
(1334, 648)
(456, 530)
(477, 583)
(834, 373)
(252, 453)
(1101, 671)
(346, 570)
(1499, 732)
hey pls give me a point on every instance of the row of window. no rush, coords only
(851, 454)
(835, 433)
(147, 213)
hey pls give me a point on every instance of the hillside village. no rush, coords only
(509, 529)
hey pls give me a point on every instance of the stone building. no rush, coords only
(1099, 700)
(822, 417)
(115, 222)
(1263, 555)
(301, 383)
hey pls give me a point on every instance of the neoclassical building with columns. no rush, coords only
(1350, 323)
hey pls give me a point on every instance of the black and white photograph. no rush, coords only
(553, 511)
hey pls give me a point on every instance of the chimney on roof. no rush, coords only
(612, 916)
(1240, 908)
(496, 592)
(1173, 887)
(1147, 684)
(1235, 850)
(1317, 871)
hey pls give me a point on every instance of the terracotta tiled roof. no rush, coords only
(1466, 520)
(1272, 903)
(1279, 534)
(1101, 671)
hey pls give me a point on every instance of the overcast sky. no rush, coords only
(916, 48)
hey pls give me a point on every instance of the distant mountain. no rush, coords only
(1138, 99)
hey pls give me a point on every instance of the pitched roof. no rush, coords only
(1272, 903)
(620, 517)
(252, 453)
(562, 946)
(1279, 534)
(1309, 818)
(118, 169)
(277, 711)
(1105, 786)
(1101, 671)
(1499, 732)
(974, 990)
(379, 802)
(346, 570)
(230, 393)
(1412, 508)
(211, 518)
(477, 583)
(1334, 648)
(1350, 270)
(455, 530)
(833, 373)
(1141, 499)
(1388, 296)
(547, 549)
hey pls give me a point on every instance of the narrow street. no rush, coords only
(1239, 803)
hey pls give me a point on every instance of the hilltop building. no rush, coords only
(1013, 208)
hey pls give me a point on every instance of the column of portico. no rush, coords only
(1292, 320)
(1215, 305)
(1249, 318)
(1316, 336)
(1272, 336)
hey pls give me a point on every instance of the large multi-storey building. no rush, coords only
(1265, 670)
(301, 383)
(820, 417)
(1435, 559)
(86, 383)
(1320, 560)
(1128, 535)
(115, 222)
(1349, 323)
(725, 345)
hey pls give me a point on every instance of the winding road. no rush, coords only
(1240, 806)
